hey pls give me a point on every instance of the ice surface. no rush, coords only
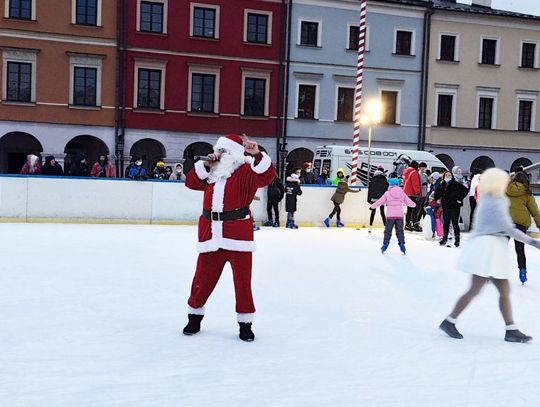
(91, 315)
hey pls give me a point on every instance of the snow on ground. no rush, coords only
(91, 315)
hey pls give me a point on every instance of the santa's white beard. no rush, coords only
(227, 164)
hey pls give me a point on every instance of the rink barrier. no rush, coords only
(49, 199)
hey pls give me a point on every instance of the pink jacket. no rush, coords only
(394, 199)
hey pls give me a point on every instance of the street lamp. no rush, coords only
(371, 115)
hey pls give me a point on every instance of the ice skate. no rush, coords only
(384, 247)
(369, 230)
(256, 227)
(339, 224)
(417, 228)
(268, 223)
(409, 227)
(450, 329)
(276, 224)
(194, 324)
(523, 276)
(327, 222)
(402, 248)
(246, 334)
(515, 335)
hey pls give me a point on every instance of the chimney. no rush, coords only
(482, 3)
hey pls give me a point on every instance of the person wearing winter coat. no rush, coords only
(103, 168)
(434, 211)
(340, 173)
(338, 198)
(292, 190)
(457, 172)
(308, 177)
(178, 173)
(413, 188)
(451, 195)
(159, 170)
(32, 165)
(274, 195)
(323, 179)
(522, 207)
(51, 167)
(486, 257)
(136, 170)
(78, 167)
(394, 199)
(378, 185)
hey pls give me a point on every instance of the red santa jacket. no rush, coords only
(411, 182)
(228, 194)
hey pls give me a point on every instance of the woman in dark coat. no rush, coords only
(451, 195)
(378, 185)
(292, 190)
(51, 167)
(275, 193)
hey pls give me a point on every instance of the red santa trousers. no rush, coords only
(209, 268)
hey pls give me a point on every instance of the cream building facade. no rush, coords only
(483, 86)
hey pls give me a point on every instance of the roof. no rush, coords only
(459, 7)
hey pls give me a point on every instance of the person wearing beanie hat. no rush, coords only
(308, 176)
(51, 167)
(338, 198)
(394, 199)
(292, 190)
(159, 170)
(378, 185)
(486, 255)
(229, 179)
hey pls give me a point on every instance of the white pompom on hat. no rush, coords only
(232, 143)
(494, 182)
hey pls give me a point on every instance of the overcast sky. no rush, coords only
(521, 6)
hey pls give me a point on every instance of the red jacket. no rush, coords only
(110, 171)
(228, 194)
(411, 182)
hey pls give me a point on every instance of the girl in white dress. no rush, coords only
(486, 254)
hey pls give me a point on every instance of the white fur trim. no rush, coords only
(195, 311)
(451, 320)
(218, 198)
(229, 145)
(248, 318)
(512, 327)
(201, 170)
(263, 165)
(214, 245)
(248, 159)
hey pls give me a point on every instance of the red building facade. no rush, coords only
(195, 70)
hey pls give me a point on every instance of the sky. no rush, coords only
(520, 6)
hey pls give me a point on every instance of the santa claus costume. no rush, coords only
(229, 182)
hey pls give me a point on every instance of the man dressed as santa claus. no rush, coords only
(229, 178)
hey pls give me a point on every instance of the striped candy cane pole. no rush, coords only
(358, 90)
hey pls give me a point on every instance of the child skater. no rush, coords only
(338, 198)
(486, 255)
(292, 190)
(394, 199)
(434, 210)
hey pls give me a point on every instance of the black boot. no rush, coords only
(515, 335)
(450, 329)
(456, 242)
(194, 324)
(409, 227)
(444, 240)
(246, 334)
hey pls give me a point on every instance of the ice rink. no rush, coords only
(91, 315)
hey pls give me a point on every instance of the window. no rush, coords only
(528, 55)
(525, 115)
(19, 82)
(20, 9)
(389, 101)
(151, 17)
(489, 51)
(86, 12)
(345, 104)
(204, 22)
(354, 33)
(485, 113)
(444, 110)
(149, 89)
(254, 97)
(448, 48)
(257, 28)
(404, 43)
(306, 101)
(309, 33)
(202, 93)
(84, 87)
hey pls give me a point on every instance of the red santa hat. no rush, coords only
(232, 143)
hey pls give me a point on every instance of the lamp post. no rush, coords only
(369, 117)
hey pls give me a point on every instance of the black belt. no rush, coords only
(227, 215)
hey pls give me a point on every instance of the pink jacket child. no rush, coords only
(394, 199)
